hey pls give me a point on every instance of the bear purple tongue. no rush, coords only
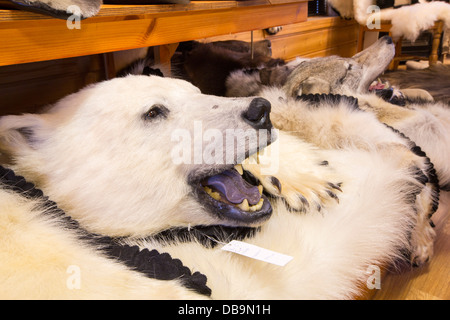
(235, 189)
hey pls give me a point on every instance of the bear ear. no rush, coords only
(18, 133)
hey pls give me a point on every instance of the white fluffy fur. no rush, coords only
(333, 249)
(96, 158)
(107, 109)
(407, 21)
(427, 124)
(37, 252)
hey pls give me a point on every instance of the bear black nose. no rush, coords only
(257, 114)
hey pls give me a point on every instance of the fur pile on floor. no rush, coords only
(407, 21)
(435, 79)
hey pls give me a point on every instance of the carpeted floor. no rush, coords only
(435, 79)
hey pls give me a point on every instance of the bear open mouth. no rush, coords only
(232, 196)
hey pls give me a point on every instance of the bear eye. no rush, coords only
(155, 111)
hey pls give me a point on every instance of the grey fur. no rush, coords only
(60, 8)
(321, 75)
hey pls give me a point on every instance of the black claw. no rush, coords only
(334, 186)
(304, 201)
(332, 195)
(276, 183)
(319, 207)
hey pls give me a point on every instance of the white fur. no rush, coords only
(121, 157)
(407, 21)
(427, 124)
(107, 168)
(38, 252)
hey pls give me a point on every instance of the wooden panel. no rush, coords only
(28, 87)
(38, 40)
(154, 10)
(317, 37)
(346, 50)
(307, 43)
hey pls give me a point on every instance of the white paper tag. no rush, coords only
(257, 253)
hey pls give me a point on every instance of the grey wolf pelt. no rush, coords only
(435, 80)
(120, 159)
(424, 122)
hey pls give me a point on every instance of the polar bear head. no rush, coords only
(137, 155)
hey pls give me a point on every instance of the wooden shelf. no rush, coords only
(316, 37)
(28, 37)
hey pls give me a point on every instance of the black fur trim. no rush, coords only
(153, 264)
(158, 266)
(432, 174)
(335, 99)
(208, 236)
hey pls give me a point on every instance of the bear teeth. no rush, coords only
(260, 188)
(244, 205)
(257, 206)
(213, 194)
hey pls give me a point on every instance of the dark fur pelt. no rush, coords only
(435, 79)
(207, 65)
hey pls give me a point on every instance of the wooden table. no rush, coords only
(28, 37)
(385, 26)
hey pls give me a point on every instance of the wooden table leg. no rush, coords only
(437, 33)
(164, 53)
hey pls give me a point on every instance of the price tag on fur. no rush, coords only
(257, 253)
